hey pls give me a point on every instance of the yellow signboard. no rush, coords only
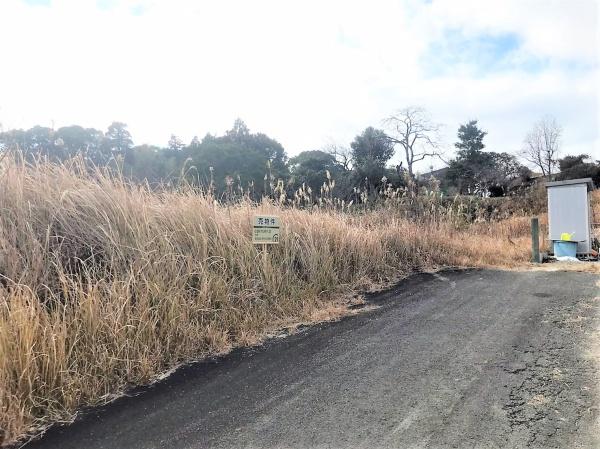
(265, 230)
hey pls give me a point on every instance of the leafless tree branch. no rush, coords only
(413, 130)
(542, 145)
(341, 154)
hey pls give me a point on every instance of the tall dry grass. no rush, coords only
(106, 284)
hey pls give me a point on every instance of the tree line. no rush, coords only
(241, 162)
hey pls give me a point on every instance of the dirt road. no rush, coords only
(475, 359)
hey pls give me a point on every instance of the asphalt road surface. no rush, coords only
(475, 359)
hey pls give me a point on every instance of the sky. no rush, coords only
(307, 73)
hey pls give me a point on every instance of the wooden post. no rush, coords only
(535, 240)
(264, 251)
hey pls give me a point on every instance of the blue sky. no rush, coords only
(482, 54)
(308, 73)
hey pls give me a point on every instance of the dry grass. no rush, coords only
(105, 285)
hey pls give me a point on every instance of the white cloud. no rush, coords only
(303, 72)
(553, 28)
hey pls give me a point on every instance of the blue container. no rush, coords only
(565, 248)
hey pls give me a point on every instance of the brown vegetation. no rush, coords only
(105, 284)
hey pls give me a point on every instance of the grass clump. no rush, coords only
(105, 284)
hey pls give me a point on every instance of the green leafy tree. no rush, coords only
(74, 140)
(195, 142)
(34, 142)
(153, 164)
(506, 172)
(14, 140)
(59, 145)
(467, 172)
(470, 138)
(475, 171)
(311, 167)
(581, 166)
(175, 143)
(118, 140)
(219, 161)
(372, 145)
(41, 139)
(259, 143)
(240, 155)
(239, 133)
(370, 152)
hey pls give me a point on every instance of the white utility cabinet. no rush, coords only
(569, 211)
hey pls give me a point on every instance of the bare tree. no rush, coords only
(542, 144)
(341, 154)
(413, 130)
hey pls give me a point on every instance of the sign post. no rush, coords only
(535, 240)
(265, 231)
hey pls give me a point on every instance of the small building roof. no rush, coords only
(588, 181)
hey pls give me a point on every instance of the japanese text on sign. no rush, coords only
(265, 229)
